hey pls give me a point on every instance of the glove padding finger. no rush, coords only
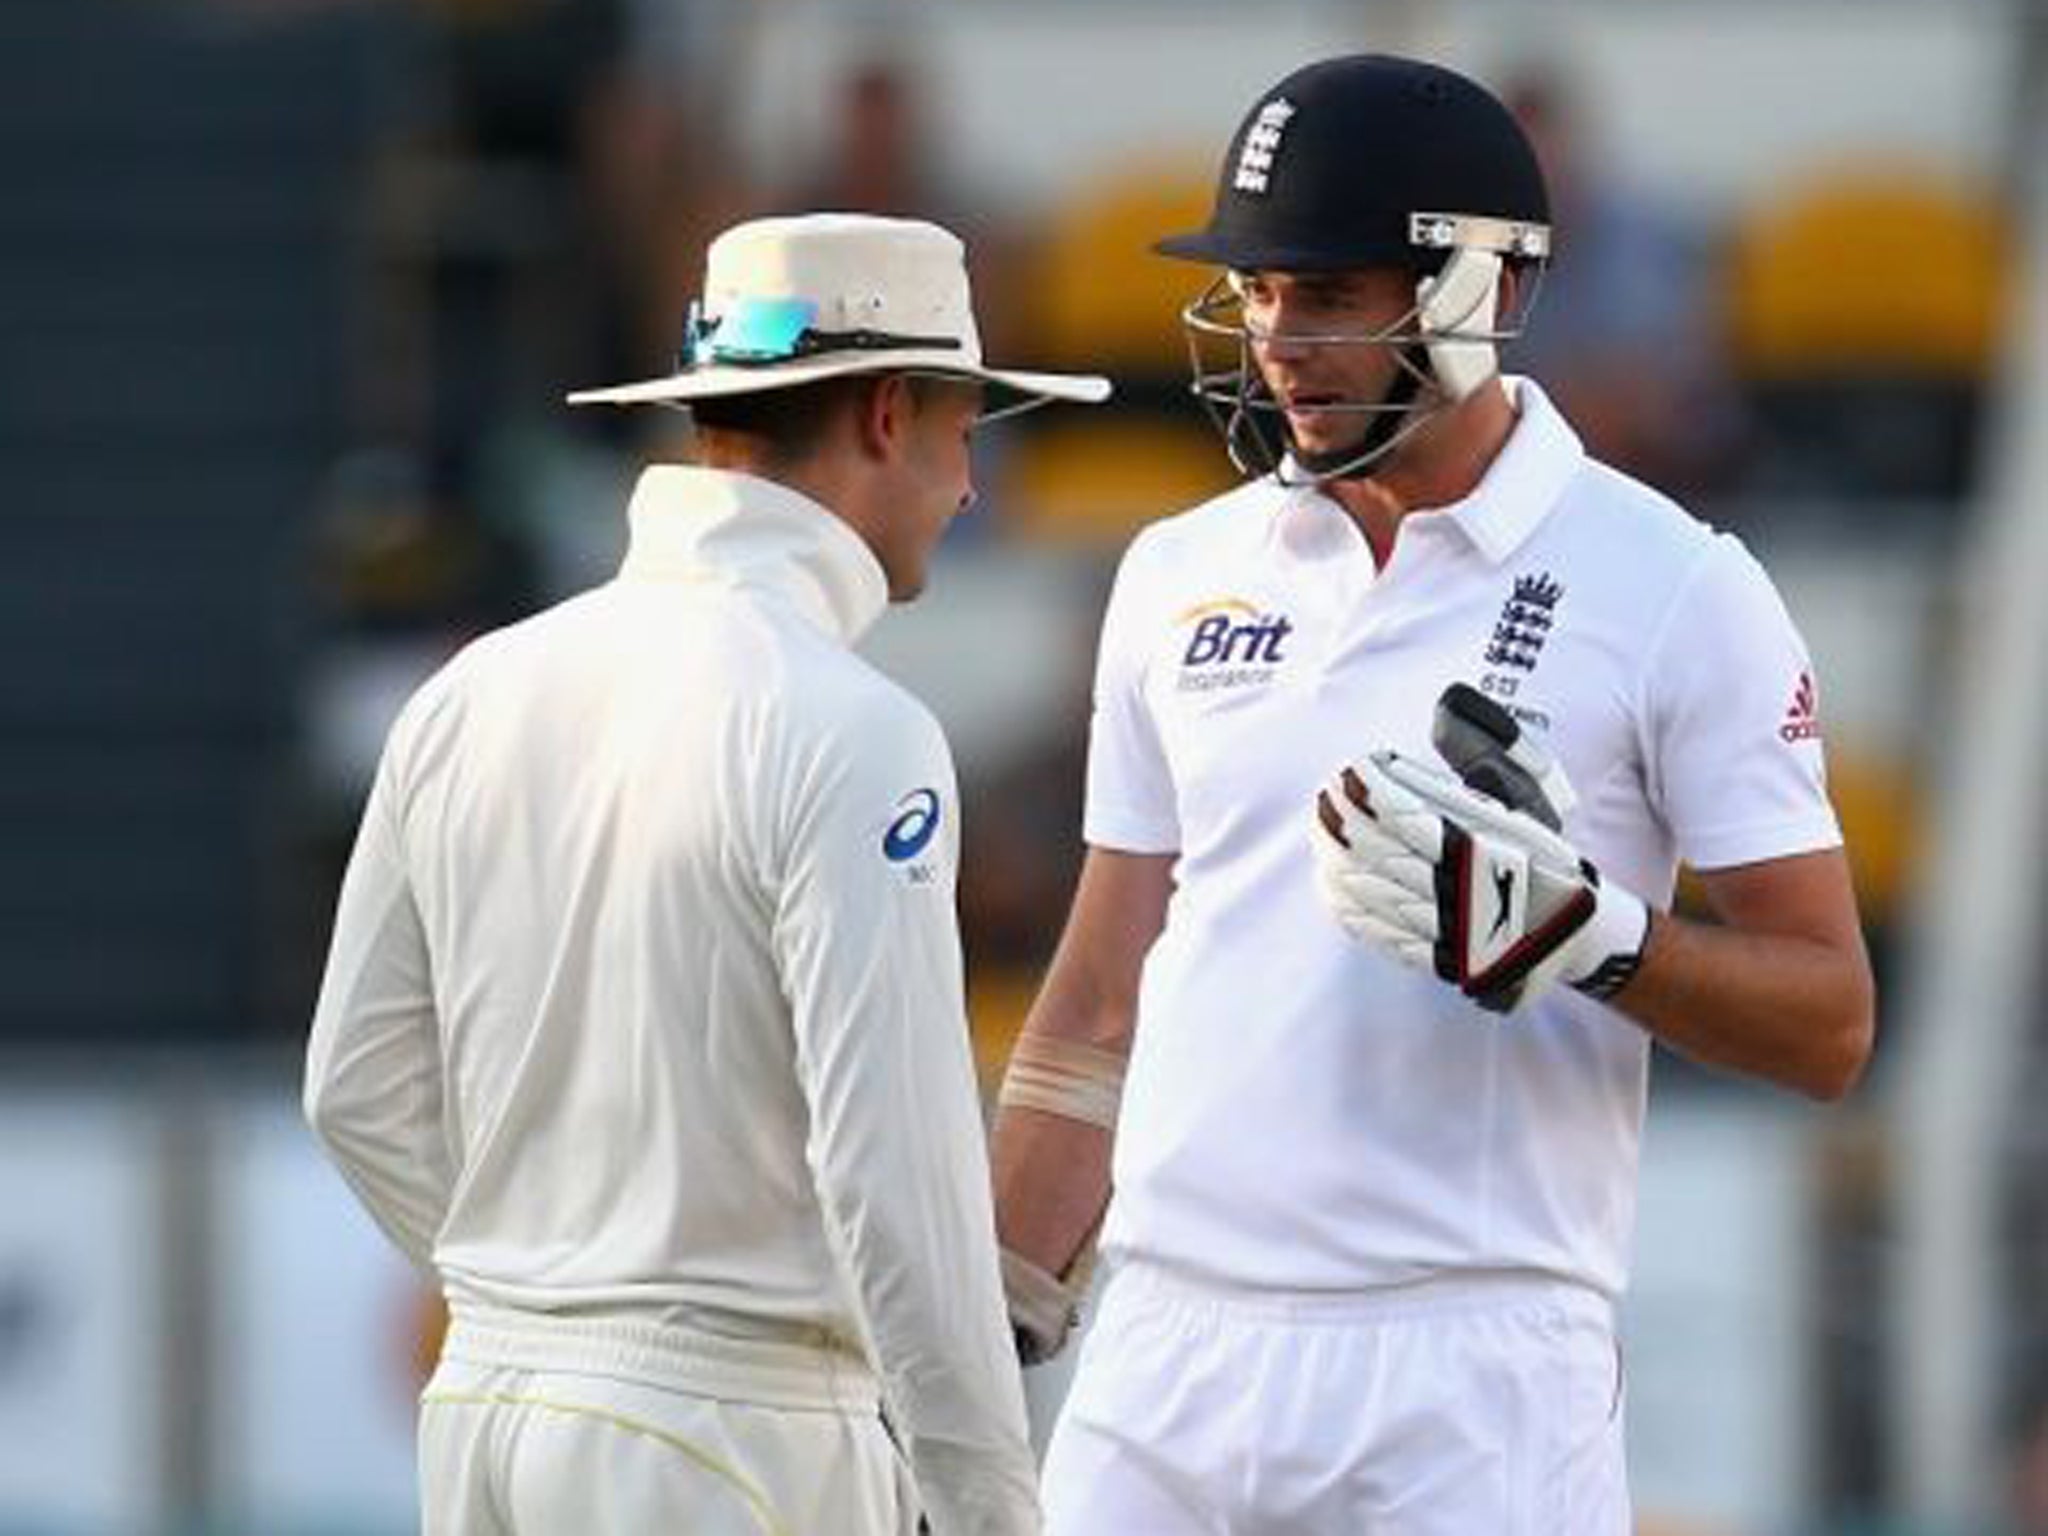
(1372, 858)
(1365, 905)
(1378, 890)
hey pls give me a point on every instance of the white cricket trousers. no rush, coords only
(1484, 1407)
(536, 1427)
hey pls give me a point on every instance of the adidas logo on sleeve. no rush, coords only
(1802, 718)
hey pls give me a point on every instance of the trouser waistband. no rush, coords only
(769, 1373)
(1438, 1295)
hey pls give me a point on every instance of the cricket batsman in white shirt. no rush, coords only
(1396, 752)
(642, 1025)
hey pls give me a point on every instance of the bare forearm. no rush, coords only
(1793, 1010)
(1051, 1170)
(1052, 1183)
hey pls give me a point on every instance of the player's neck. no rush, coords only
(1440, 465)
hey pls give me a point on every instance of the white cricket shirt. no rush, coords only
(644, 999)
(1302, 1113)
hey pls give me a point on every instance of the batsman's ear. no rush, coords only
(886, 405)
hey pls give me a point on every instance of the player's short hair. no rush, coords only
(787, 425)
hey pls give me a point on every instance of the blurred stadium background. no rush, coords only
(290, 291)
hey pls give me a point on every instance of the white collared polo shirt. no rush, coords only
(1302, 1113)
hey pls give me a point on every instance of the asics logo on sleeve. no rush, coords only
(916, 821)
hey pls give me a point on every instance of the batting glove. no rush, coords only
(1451, 880)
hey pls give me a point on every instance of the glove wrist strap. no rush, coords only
(1617, 934)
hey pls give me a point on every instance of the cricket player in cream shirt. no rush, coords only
(643, 1025)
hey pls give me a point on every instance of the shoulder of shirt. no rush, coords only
(862, 696)
(834, 694)
(1619, 511)
(1675, 559)
(830, 691)
(492, 648)
(1241, 512)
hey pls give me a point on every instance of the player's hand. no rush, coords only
(1043, 1308)
(1454, 881)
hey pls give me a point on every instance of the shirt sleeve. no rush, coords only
(1732, 719)
(869, 952)
(1130, 800)
(373, 1066)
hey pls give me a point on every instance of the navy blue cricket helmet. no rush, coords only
(1369, 160)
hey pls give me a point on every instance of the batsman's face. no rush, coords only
(936, 483)
(1317, 340)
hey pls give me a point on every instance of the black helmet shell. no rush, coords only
(1327, 169)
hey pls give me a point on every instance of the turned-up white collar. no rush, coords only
(691, 524)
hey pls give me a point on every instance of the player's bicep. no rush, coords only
(376, 991)
(1732, 722)
(1130, 800)
(373, 1090)
(1119, 910)
(864, 930)
(1806, 896)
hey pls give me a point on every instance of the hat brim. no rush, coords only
(721, 379)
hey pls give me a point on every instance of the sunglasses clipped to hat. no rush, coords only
(791, 301)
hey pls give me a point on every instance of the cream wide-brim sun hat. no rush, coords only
(790, 301)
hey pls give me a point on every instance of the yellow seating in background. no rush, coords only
(1880, 811)
(1103, 297)
(1869, 270)
(1105, 301)
(1096, 480)
(997, 1000)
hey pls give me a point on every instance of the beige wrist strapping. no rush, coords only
(1060, 1077)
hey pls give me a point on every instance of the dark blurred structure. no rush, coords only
(176, 258)
(879, 155)
(2030, 1471)
(1622, 334)
(503, 220)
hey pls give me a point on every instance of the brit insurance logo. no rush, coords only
(910, 833)
(1231, 644)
